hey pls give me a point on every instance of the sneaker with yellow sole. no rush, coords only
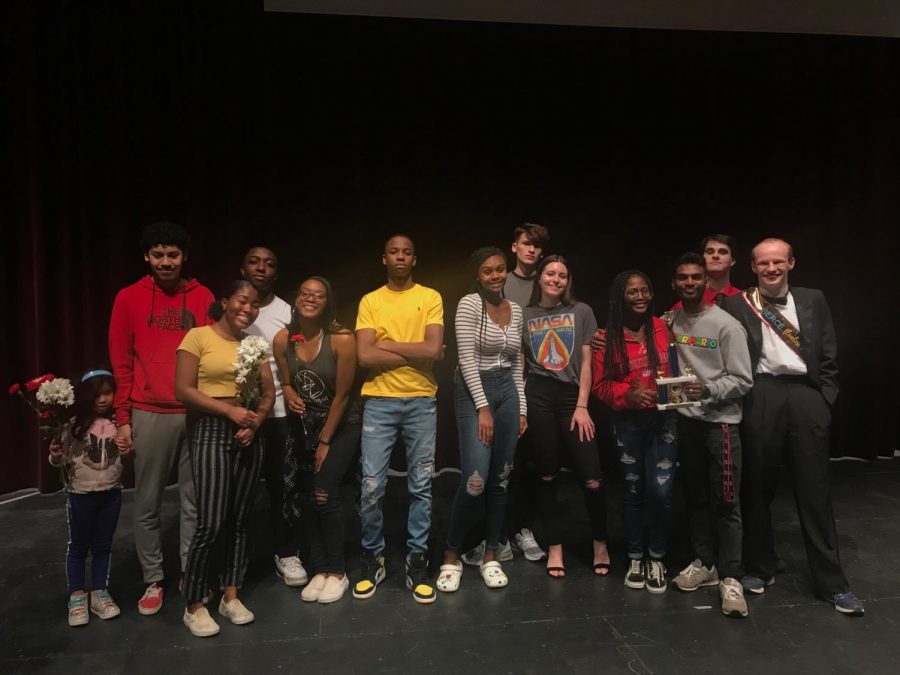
(417, 579)
(370, 575)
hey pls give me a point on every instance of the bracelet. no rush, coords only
(581, 406)
(322, 441)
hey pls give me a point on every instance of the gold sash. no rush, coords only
(774, 319)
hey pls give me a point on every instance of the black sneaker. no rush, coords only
(371, 574)
(635, 576)
(655, 574)
(756, 585)
(847, 603)
(418, 580)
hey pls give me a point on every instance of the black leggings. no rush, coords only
(320, 492)
(551, 404)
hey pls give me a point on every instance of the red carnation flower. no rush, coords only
(36, 382)
(15, 389)
(299, 337)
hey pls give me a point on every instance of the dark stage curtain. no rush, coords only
(320, 136)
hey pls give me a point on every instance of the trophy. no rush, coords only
(670, 390)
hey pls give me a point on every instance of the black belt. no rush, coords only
(787, 379)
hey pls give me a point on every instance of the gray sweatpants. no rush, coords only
(160, 440)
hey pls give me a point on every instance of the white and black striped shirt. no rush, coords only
(483, 345)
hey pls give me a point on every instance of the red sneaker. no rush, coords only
(152, 601)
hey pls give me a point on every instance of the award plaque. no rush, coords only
(671, 394)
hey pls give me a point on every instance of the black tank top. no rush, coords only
(315, 380)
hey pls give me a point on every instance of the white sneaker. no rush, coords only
(235, 612)
(732, 594)
(527, 544)
(311, 591)
(334, 589)
(78, 610)
(476, 556)
(291, 570)
(103, 605)
(200, 623)
(696, 575)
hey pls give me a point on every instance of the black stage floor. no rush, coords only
(537, 625)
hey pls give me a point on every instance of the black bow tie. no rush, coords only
(781, 300)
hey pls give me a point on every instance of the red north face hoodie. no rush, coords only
(145, 329)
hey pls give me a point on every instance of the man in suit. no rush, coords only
(787, 416)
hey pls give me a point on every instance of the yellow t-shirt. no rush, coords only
(215, 376)
(400, 316)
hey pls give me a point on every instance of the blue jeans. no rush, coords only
(647, 444)
(485, 471)
(92, 523)
(384, 419)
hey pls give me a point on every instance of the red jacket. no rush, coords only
(145, 329)
(612, 392)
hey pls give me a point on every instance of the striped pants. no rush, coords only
(710, 457)
(225, 479)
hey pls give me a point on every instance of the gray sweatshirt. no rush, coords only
(713, 346)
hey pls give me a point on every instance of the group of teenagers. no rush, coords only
(332, 401)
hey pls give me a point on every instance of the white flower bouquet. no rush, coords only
(253, 351)
(56, 392)
(54, 398)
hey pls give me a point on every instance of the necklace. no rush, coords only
(300, 339)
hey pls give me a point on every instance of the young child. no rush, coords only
(88, 452)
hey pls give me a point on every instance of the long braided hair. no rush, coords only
(615, 360)
(476, 259)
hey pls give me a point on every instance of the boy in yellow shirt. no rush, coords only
(399, 333)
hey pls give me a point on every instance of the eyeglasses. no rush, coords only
(635, 292)
(311, 295)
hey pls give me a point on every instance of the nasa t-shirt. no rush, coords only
(554, 338)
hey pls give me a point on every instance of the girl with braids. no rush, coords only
(490, 413)
(635, 354)
(316, 358)
(557, 338)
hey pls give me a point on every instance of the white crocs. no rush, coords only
(493, 574)
(448, 579)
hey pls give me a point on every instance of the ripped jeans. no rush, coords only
(322, 516)
(485, 471)
(647, 444)
(414, 419)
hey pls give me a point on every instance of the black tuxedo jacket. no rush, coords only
(818, 344)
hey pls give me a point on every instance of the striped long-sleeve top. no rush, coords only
(483, 345)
